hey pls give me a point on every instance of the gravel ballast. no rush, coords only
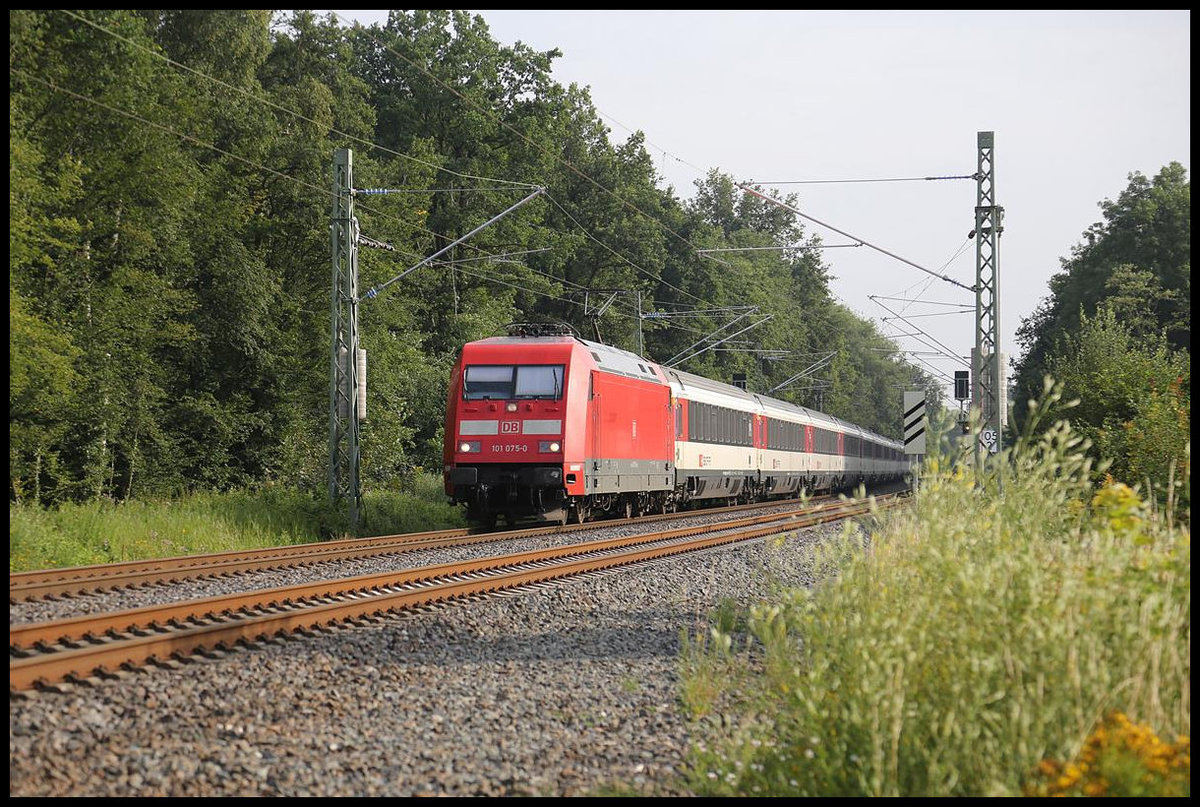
(569, 689)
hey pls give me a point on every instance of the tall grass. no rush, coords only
(977, 635)
(104, 532)
(422, 505)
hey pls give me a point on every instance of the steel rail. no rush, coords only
(25, 586)
(90, 627)
(158, 643)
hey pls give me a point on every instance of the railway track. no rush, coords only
(74, 581)
(89, 648)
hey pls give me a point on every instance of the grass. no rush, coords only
(978, 639)
(104, 532)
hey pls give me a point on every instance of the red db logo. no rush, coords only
(510, 427)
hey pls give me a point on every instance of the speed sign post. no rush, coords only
(989, 439)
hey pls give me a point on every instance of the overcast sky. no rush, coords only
(1077, 100)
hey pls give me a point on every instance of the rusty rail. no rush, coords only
(24, 586)
(98, 645)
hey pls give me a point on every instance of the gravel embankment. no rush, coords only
(565, 690)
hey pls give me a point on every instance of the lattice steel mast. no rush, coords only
(987, 394)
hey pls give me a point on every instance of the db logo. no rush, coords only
(510, 427)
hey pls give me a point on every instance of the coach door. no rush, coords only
(760, 440)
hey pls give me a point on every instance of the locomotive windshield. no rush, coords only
(508, 382)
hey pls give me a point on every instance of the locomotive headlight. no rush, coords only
(469, 447)
(510, 407)
(549, 446)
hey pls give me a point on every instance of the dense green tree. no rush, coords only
(107, 286)
(1140, 255)
(1116, 330)
(1130, 397)
(41, 381)
(318, 104)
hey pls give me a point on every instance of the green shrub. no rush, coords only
(977, 635)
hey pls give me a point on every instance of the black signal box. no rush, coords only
(962, 384)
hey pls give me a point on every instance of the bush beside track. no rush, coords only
(978, 647)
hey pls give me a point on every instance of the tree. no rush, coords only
(1140, 255)
(1131, 394)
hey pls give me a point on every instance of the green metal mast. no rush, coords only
(344, 393)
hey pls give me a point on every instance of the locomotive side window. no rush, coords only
(501, 382)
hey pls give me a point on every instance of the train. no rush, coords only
(544, 425)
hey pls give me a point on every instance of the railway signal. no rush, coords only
(962, 385)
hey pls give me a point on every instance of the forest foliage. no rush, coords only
(170, 187)
(1115, 331)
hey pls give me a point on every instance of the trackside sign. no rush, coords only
(914, 422)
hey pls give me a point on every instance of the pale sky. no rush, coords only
(1077, 100)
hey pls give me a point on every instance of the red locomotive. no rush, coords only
(559, 428)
